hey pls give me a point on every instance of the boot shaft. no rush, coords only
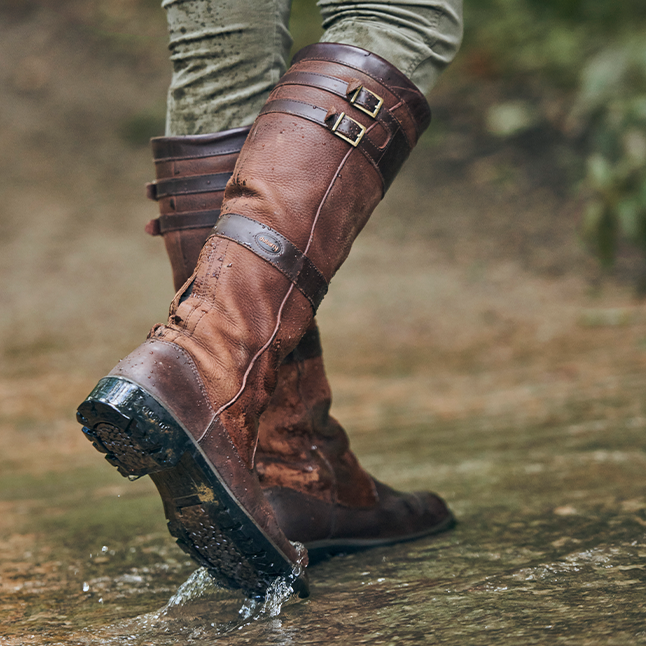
(326, 146)
(317, 160)
(191, 173)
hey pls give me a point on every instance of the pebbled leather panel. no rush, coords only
(387, 159)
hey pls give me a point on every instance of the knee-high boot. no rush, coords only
(185, 406)
(315, 484)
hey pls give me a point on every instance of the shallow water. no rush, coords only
(550, 546)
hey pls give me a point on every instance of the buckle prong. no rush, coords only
(375, 111)
(353, 142)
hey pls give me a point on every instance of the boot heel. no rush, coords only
(137, 435)
(140, 437)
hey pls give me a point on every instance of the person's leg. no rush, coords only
(304, 460)
(419, 37)
(227, 55)
(303, 456)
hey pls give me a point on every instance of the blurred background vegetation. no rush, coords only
(592, 55)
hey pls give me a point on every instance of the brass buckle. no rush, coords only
(375, 111)
(354, 142)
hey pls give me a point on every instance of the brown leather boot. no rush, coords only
(319, 491)
(185, 406)
(191, 174)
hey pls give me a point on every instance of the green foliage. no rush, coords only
(612, 106)
(528, 37)
(550, 38)
(596, 51)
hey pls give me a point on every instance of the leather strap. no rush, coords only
(187, 185)
(377, 68)
(309, 347)
(277, 250)
(197, 146)
(361, 97)
(387, 160)
(181, 221)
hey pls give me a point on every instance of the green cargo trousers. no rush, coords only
(227, 55)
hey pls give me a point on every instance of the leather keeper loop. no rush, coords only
(187, 185)
(152, 228)
(277, 250)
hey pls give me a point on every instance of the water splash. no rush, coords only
(201, 588)
(278, 593)
(200, 584)
(201, 609)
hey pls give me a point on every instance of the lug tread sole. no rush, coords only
(140, 437)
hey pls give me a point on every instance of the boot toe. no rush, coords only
(405, 516)
(328, 528)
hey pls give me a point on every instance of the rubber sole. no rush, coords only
(141, 437)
